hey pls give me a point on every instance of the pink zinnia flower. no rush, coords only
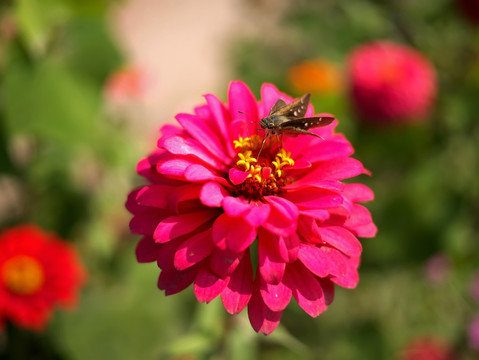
(391, 83)
(474, 286)
(254, 231)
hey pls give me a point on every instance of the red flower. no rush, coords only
(427, 348)
(212, 210)
(391, 83)
(37, 272)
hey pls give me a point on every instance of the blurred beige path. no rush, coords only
(183, 45)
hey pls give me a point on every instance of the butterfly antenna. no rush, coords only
(251, 122)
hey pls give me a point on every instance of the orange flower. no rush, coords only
(126, 84)
(315, 76)
(38, 271)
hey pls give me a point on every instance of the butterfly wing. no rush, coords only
(297, 109)
(307, 123)
(278, 105)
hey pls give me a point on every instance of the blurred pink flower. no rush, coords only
(473, 333)
(126, 84)
(474, 287)
(391, 83)
(254, 231)
(427, 348)
(437, 268)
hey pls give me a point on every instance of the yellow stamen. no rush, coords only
(22, 275)
(267, 173)
(246, 160)
(242, 143)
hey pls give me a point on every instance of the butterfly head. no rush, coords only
(268, 122)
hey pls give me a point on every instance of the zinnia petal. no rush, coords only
(212, 194)
(358, 192)
(242, 102)
(199, 131)
(222, 120)
(257, 214)
(261, 317)
(183, 146)
(323, 150)
(147, 250)
(342, 168)
(276, 297)
(237, 177)
(175, 226)
(200, 173)
(174, 281)
(193, 250)
(208, 286)
(234, 206)
(224, 262)
(306, 289)
(237, 293)
(360, 222)
(271, 266)
(323, 260)
(341, 239)
(283, 216)
(314, 198)
(349, 279)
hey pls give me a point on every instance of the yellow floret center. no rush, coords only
(22, 275)
(266, 173)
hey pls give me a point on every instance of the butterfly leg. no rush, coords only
(278, 141)
(262, 144)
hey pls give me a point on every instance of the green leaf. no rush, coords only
(195, 343)
(52, 104)
(37, 20)
(89, 50)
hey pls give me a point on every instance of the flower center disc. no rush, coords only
(267, 172)
(22, 275)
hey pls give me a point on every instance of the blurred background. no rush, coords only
(85, 84)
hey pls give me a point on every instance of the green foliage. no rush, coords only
(74, 165)
(64, 154)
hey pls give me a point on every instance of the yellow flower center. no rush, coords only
(22, 275)
(267, 173)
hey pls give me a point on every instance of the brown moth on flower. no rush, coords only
(288, 119)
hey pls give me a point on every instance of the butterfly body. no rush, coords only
(288, 119)
(273, 123)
